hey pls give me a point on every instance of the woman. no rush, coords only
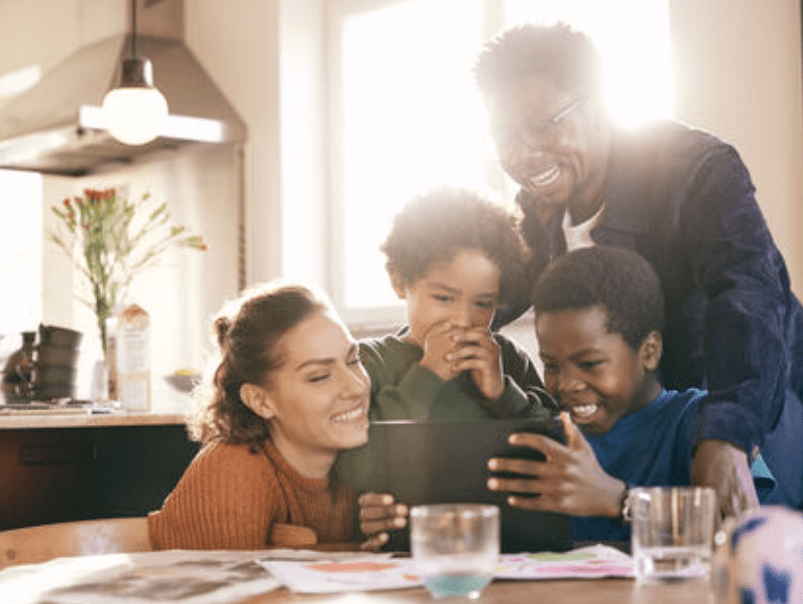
(288, 394)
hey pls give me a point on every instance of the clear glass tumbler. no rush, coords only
(455, 547)
(673, 532)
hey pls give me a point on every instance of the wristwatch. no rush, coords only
(627, 510)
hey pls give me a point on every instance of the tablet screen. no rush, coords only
(446, 462)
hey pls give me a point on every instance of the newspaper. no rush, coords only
(172, 577)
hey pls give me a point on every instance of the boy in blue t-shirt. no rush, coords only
(599, 315)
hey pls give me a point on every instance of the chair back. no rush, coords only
(42, 543)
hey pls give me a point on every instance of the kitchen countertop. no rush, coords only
(89, 420)
(168, 407)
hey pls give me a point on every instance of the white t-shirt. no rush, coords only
(579, 235)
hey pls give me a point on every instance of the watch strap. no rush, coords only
(625, 504)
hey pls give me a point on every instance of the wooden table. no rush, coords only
(579, 591)
(93, 578)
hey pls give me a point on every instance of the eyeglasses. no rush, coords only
(544, 134)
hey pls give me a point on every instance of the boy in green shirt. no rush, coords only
(452, 255)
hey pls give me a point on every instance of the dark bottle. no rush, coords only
(18, 372)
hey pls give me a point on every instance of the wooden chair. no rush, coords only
(301, 537)
(44, 542)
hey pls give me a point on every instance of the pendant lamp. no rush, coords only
(135, 110)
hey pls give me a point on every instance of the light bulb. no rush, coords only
(134, 115)
(135, 110)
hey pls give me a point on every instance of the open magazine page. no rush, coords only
(369, 574)
(171, 577)
(222, 577)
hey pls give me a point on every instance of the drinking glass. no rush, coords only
(455, 547)
(672, 533)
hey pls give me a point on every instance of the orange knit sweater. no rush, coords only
(230, 498)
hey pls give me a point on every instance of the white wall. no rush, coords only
(237, 42)
(738, 74)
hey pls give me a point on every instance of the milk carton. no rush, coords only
(134, 358)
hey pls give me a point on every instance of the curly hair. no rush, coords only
(569, 56)
(435, 225)
(620, 281)
(248, 332)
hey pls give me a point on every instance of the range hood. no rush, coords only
(57, 127)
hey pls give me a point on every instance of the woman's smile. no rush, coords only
(357, 415)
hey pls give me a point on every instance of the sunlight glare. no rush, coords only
(412, 119)
(21, 251)
(636, 59)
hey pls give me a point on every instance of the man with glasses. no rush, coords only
(684, 200)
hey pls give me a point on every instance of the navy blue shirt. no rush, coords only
(684, 200)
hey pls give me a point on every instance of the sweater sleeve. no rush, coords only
(225, 500)
(524, 394)
(748, 303)
(398, 390)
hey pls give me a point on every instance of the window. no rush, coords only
(405, 115)
(20, 251)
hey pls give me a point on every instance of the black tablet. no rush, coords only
(446, 462)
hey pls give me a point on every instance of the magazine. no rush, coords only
(368, 573)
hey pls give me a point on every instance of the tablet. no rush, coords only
(446, 462)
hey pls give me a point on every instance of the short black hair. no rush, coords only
(433, 226)
(620, 281)
(568, 55)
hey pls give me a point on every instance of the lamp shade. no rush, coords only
(134, 111)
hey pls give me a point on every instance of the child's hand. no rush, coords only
(570, 481)
(477, 351)
(438, 342)
(379, 514)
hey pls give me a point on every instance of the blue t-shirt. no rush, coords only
(651, 447)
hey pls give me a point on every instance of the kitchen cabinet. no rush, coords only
(79, 470)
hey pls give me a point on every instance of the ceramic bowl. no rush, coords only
(183, 380)
(760, 558)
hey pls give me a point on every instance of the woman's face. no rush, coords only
(319, 396)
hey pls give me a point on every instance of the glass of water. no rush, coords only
(455, 547)
(672, 533)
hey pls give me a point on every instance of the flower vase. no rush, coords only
(99, 386)
(112, 391)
